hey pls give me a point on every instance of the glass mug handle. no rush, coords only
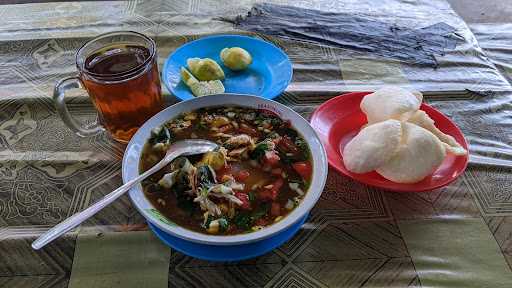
(60, 103)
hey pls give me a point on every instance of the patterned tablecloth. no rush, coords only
(356, 236)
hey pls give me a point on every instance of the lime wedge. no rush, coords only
(203, 88)
(187, 77)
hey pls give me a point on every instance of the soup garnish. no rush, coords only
(258, 175)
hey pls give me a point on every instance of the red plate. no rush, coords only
(338, 120)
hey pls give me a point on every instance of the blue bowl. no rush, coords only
(231, 252)
(267, 76)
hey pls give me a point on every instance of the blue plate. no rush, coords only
(267, 76)
(228, 253)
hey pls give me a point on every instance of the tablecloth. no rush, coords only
(356, 236)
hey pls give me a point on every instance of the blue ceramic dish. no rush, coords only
(228, 253)
(267, 76)
(225, 247)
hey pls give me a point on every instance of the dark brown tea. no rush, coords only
(118, 59)
(124, 83)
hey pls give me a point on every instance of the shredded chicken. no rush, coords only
(192, 177)
(226, 188)
(239, 140)
(219, 121)
(230, 197)
(168, 179)
(205, 192)
(223, 190)
(222, 135)
(237, 152)
(207, 204)
(223, 150)
(235, 185)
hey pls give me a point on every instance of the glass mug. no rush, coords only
(120, 73)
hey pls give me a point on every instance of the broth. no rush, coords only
(257, 177)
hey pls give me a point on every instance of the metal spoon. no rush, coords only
(184, 147)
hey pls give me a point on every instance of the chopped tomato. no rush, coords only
(231, 229)
(277, 171)
(277, 184)
(303, 168)
(265, 195)
(225, 128)
(246, 129)
(226, 170)
(242, 175)
(271, 158)
(246, 204)
(271, 193)
(261, 222)
(275, 209)
(287, 145)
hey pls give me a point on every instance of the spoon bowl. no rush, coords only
(191, 147)
(183, 147)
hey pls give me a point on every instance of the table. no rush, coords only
(356, 236)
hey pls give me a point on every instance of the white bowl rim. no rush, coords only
(319, 177)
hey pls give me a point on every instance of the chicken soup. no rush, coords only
(259, 173)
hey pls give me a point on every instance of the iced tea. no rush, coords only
(124, 84)
(119, 71)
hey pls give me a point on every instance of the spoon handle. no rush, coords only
(80, 217)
